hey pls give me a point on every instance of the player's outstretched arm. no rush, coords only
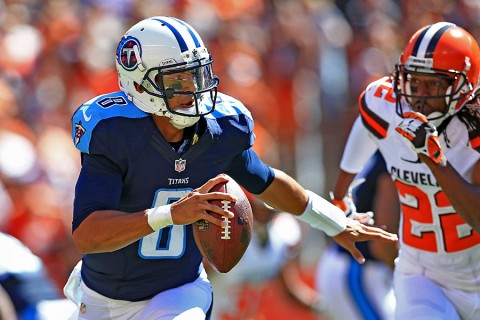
(285, 194)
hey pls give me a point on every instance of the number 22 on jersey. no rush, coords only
(419, 222)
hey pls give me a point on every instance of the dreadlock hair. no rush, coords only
(470, 116)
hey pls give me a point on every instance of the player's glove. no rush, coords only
(422, 135)
(348, 206)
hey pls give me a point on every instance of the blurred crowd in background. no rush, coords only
(299, 65)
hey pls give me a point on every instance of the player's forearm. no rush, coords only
(109, 230)
(344, 180)
(288, 195)
(464, 196)
(285, 194)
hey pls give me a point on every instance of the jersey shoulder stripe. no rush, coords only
(226, 106)
(102, 107)
(232, 118)
(377, 107)
(376, 125)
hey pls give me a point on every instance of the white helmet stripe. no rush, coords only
(186, 37)
(428, 40)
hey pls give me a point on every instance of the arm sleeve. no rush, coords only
(250, 172)
(98, 187)
(359, 148)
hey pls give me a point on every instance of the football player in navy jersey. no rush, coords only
(150, 154)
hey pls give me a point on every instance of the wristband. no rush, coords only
(323, 215)
(159, 217)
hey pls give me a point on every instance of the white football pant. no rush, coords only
(352, 291)
(191, 301)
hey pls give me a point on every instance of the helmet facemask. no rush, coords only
(406, 91)
(438, 54)
(195, 81)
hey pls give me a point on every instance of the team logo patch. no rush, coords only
(79, 132)
(180, 165)
(127, 54)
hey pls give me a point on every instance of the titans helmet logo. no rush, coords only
(127, 51)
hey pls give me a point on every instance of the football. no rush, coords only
(224, 246)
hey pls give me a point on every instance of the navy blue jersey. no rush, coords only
(127, 165)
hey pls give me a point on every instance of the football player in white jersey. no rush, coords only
(424, 119)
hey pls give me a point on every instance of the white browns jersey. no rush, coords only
(435, 241)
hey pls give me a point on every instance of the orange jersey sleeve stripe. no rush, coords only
(376, 125)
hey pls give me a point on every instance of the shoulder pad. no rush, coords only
(226, 105)
(97, 109)
(377, 106)
(231, 116)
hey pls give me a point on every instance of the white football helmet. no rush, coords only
(166, 57)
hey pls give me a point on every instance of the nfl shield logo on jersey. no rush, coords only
(180, 165)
